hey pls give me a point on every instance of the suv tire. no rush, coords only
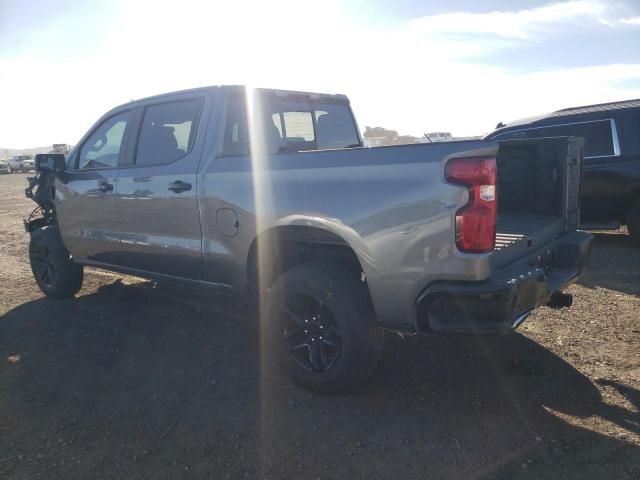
(55, 273)
(633, 222)
(321, 327)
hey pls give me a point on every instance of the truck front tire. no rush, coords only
(633, 222)
(321, 327)
(54, 271)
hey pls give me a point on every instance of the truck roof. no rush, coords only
(242, 88)
(567, 112)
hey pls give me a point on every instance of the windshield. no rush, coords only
(290, 125)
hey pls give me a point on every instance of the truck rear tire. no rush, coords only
(321, 327)
(55, 273)
(633, 222)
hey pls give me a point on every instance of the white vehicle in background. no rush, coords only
(4, 166)
(435, 137)
(21, 163)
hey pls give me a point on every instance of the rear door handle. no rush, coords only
(179, 186)
(105, 187)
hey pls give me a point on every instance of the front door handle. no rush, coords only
(105, 187)
(179, 186)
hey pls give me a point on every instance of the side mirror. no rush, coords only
(50, 162)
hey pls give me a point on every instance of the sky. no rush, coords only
(410, 65)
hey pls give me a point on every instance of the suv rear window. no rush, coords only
(598, 140)
(597, 134)
(167, 132)
(291, 126)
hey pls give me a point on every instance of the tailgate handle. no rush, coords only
(179, 186)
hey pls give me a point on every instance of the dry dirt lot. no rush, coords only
(136, 381)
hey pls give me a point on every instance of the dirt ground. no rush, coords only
(136, 381)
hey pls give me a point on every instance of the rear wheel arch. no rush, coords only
(288, 246)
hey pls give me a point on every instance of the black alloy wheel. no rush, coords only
(321, 328)
(310, 334)
(53, 269)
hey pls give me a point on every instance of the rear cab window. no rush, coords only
(167, 131)
(290, 125)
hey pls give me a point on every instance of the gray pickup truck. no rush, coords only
(269, 194)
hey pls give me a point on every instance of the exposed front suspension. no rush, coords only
(42, 191)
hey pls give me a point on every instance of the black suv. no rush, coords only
(611, 182)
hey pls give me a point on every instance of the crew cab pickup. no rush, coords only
(270, 195)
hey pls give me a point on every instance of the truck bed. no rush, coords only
(512, 228)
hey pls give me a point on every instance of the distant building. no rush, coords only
(61, 148)
(374, 141)
(435, 137)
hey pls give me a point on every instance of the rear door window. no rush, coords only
(167, 132)
(236, 132)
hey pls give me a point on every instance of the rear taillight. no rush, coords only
(476, 221)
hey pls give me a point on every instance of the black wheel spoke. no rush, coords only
(316, 357)
(332, 331)
(295, 316)
(294, 339)
(298, 347)
(290, 333)
(330, 342)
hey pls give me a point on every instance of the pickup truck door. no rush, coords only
(86, 196)
(157, 194)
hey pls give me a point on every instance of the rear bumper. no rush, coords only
(501, 303)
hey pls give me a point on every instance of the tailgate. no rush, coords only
(538, 195)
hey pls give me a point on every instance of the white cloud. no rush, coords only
(631, 21)
(408, 78)
(522, 24)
